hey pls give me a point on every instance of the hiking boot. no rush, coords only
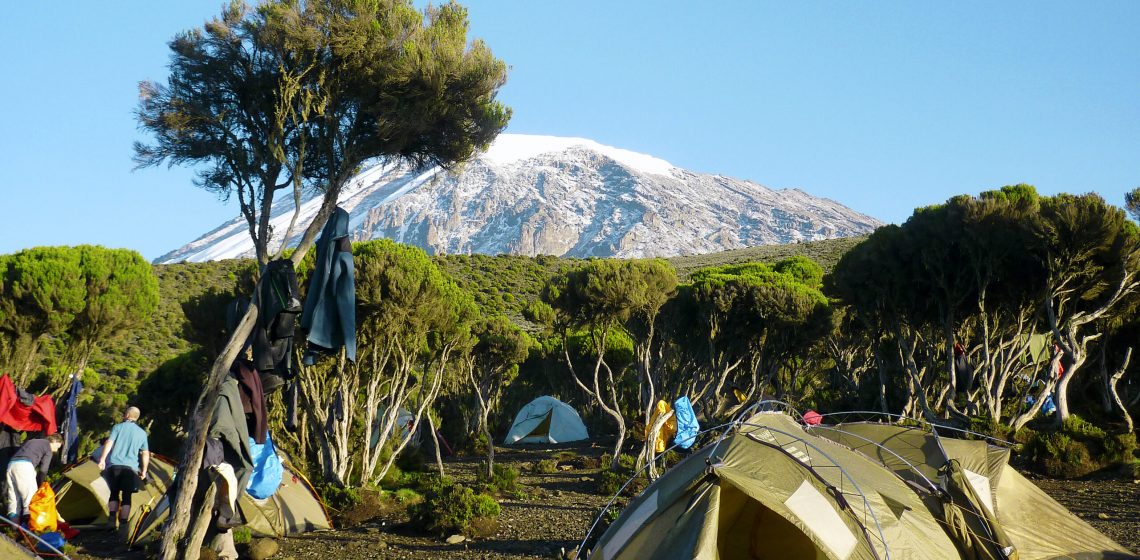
(123, 531)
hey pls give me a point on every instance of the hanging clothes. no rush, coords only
(70, 451)
(280, 301)
(661, 441)
(228, 425)
(38, 417)
(252, 400)
(687, 425)
(329, 316)
(267, 470)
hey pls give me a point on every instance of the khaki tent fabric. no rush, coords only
(1038, 527)
(12, 550)
(769, 491)
(294, 509)
(1043, 529)
(82, 493)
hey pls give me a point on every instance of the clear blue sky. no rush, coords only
(883, 106)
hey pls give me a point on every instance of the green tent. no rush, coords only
(294, 509)
(1036, 525)
(771, 489)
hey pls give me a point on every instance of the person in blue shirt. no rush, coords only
(26, 470)
(124, 462)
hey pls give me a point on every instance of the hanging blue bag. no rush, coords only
(687, 425)
(267, 470)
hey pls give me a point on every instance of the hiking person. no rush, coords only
(120, 463)
(27, 470)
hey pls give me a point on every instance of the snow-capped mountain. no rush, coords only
(574, 197)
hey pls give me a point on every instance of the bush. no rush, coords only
(338, 498)
(1120, 448)
(448, 507)
(504, 481)
(411, 459)
(545, 466)
(1080, 428)
(1131, 469)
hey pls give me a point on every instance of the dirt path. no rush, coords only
(560, 507)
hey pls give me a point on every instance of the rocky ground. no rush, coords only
(560, 507)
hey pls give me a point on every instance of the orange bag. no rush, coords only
(43, 516)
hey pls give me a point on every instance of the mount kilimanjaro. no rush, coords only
(572, 197)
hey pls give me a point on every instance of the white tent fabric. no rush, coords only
(546, 420)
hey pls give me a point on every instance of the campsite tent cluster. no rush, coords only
(772, 488)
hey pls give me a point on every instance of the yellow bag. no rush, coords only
(44, 517)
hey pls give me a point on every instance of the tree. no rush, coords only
(122, 292)
(594, 301)
(42, 291)
(491, 365)
(301, 94)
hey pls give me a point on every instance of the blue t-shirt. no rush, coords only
(127, 441)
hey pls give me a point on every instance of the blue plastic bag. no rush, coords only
(53, 538)
(687, 425)
(267, 470)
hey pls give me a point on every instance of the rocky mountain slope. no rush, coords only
(572, 197)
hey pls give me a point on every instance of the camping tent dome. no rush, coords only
(82, 493)
(771, 488)
(546, 420)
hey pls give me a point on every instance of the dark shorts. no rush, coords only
(122, 481)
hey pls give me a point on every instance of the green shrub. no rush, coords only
(448, 507)
(394, 478)
(338, 498)
(1120, 448)
(610, 482)
(504, 481)
(1131, 469)
(545, 466)
(242, 535)
(1080, 428)
(411, 459)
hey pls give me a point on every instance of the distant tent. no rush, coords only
(771, 489)
(546, 420)
(404, 422)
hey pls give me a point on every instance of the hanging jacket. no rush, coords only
(280, 304)
(252, 400)
(228, 425)
(329, 316)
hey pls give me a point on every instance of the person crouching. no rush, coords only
(27, 469)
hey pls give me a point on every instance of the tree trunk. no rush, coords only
(435, 441)
(196, 438)
(1116, 395)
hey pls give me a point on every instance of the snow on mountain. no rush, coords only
(575, 197)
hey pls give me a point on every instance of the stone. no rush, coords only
(262, 549)
(456, 539)
(207, 554)
(1102, 516)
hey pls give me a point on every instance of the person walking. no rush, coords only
(26, 470)
(124, 462)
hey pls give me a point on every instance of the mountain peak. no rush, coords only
(530, 194)
(514, 148)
